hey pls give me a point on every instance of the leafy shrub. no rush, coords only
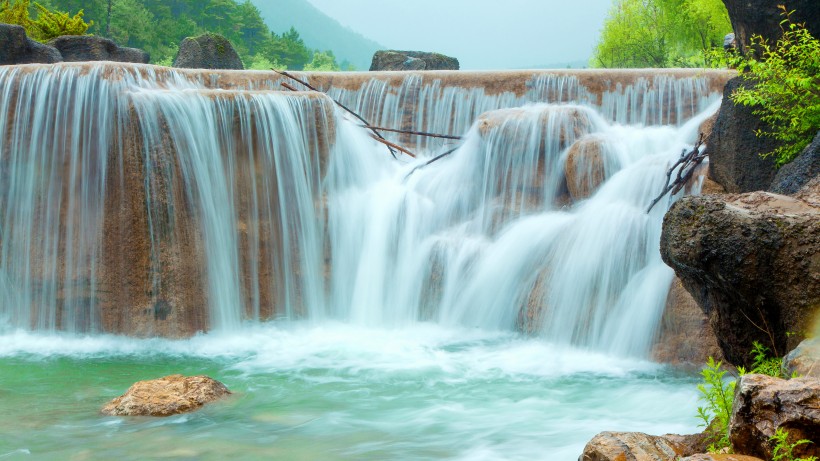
(718, 394)
(48, 25)
(785, 88)
(763, 364)
(783, 450)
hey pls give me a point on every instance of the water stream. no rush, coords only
(497, 304)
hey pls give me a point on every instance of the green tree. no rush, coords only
(323, 61)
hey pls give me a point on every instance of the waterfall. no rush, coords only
(149, 201)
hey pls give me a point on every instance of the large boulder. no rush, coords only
(764, 404)
(734, 148)
(685, 336)
(166, 396)
(17, 48)
(588, 165)
(207, 51)
(794, 175)
(636, 446)
(752, 262)
(412, 60)
(76, 48)
(719, 457)
(763, 17)
(804, 360)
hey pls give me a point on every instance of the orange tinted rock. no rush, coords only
(166, 396)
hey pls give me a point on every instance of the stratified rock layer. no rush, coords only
(166, 396)
(764, 404)
(412, 60)
(752, 262)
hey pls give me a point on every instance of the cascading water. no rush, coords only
(147, 201)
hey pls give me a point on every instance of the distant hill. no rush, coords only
(318, 30)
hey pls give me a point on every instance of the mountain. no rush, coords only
(318, 30)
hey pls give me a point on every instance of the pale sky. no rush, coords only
(482, 34)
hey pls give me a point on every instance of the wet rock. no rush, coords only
(166, 396)
(764, 404)
(636, 446)
(586, 166)
(719, 457)
(685, 335)
(804, 360)
(76, 48)
(734, 149)
(412, 60)
(763, 17)
(793, 176)
(207, 51)
(17, 48)
(752, 262)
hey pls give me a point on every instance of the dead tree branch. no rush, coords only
(687, 162)
(417, 133)
(432, 160)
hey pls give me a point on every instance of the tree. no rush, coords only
(323, 61)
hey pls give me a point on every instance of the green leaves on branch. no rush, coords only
(783, 450)
(661, 33)
(785, 88)
(718, 395)
(48, 24)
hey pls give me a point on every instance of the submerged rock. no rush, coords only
(93, 48)
(636, 446)
(752, 262)
(412, 60)
(804, 360)
(764, 404)
(166, 396)
(17, 48)
(207, 51)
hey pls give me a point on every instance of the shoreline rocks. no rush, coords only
(637, 446)
(166, 396)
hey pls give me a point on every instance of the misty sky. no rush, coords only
(482, 34)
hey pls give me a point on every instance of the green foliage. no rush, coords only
(260, 62)
(785, 88)
(718, 394)
(661, 33)
(47, 25)
(764, 364)
(783, 450)
(323, 61)
(158, 26)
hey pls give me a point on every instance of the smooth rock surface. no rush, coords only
(412, 60)
(793, 176)
(685, 335)
(636, 446)
(734, 149)
(586, 166)
(17, 48)
(166, 396)
(804, 360)
(207, 51)
(78, 48)
(763, 404)
(752, 262)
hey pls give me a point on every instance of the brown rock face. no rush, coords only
(635, 446)
(586, 167)
(752, 262)
(166, 396)
(719, 457)
(804, 360)
(764, 404)
(685, 335)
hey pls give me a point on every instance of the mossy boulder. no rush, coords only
(207, 51)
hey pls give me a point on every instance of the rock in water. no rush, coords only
(207, 51)
(635, 446)
(804, 360)
(17, 48)
(166, 396)
(752, 262)
(764, 404)
(76, 48)
(412, 60)
(586, 166)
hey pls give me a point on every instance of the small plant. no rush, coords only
(785, 92)
(764, 364)
(49, 24)
(718, 394)
(783, 450)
